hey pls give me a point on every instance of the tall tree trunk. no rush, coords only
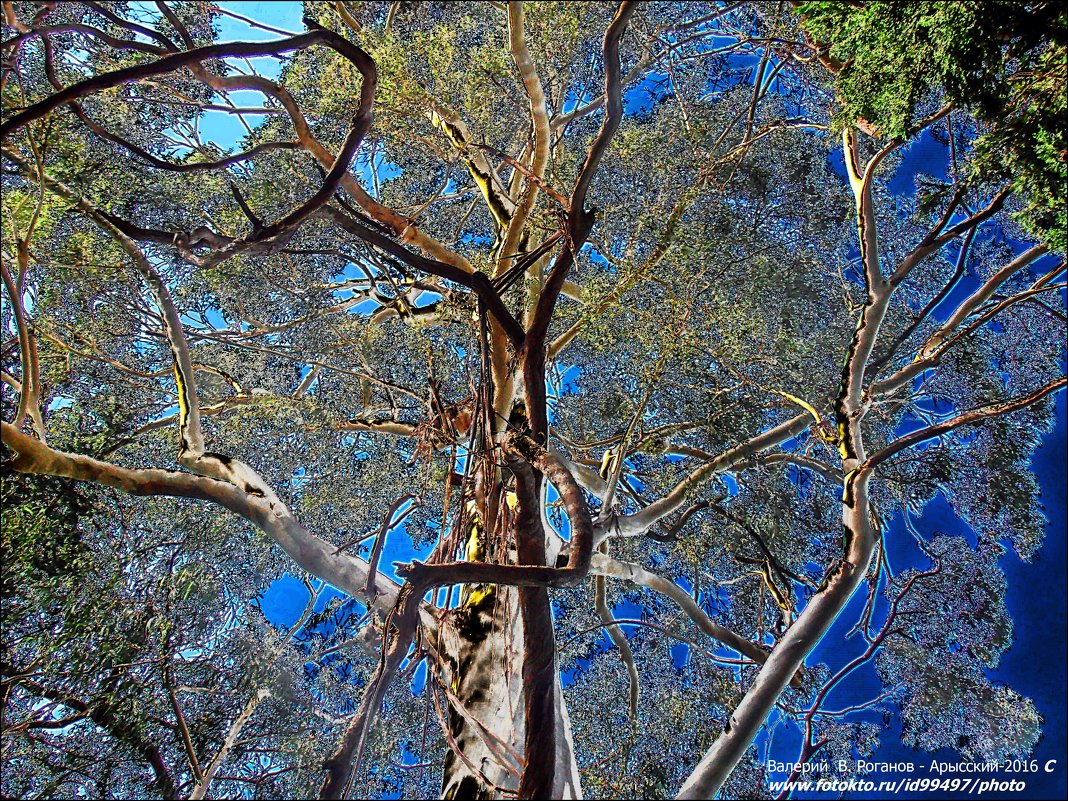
(483, 649)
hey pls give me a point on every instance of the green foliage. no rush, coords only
(949, 703)
(41, 548)
(1004, 61)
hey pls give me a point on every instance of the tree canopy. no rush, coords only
(507, 399)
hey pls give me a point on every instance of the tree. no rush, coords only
(596, 304)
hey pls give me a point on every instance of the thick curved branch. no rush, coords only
(361, 124)
(133, 27)
(579, 224)
(223, 247)
(177, 61)
(846, 574)
(477, 281)
(823, 608)
(540, 120)
(313, 554)
(171, 63)
(404, 228)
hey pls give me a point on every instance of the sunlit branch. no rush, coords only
(29, 388)
(396, 428)
(930, 353)
(937, 237)
(311, 553)
(580, 222)
(960, 267)
(540, 121)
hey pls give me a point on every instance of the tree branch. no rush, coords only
(970, 417)
(104, 716)
(602, 565)
(634, 525)
(580, 222)
(317, 556)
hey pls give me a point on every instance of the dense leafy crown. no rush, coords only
(1007, 62)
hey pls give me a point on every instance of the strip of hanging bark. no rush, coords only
(400, 626)
(512, 274)
(527, 173)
